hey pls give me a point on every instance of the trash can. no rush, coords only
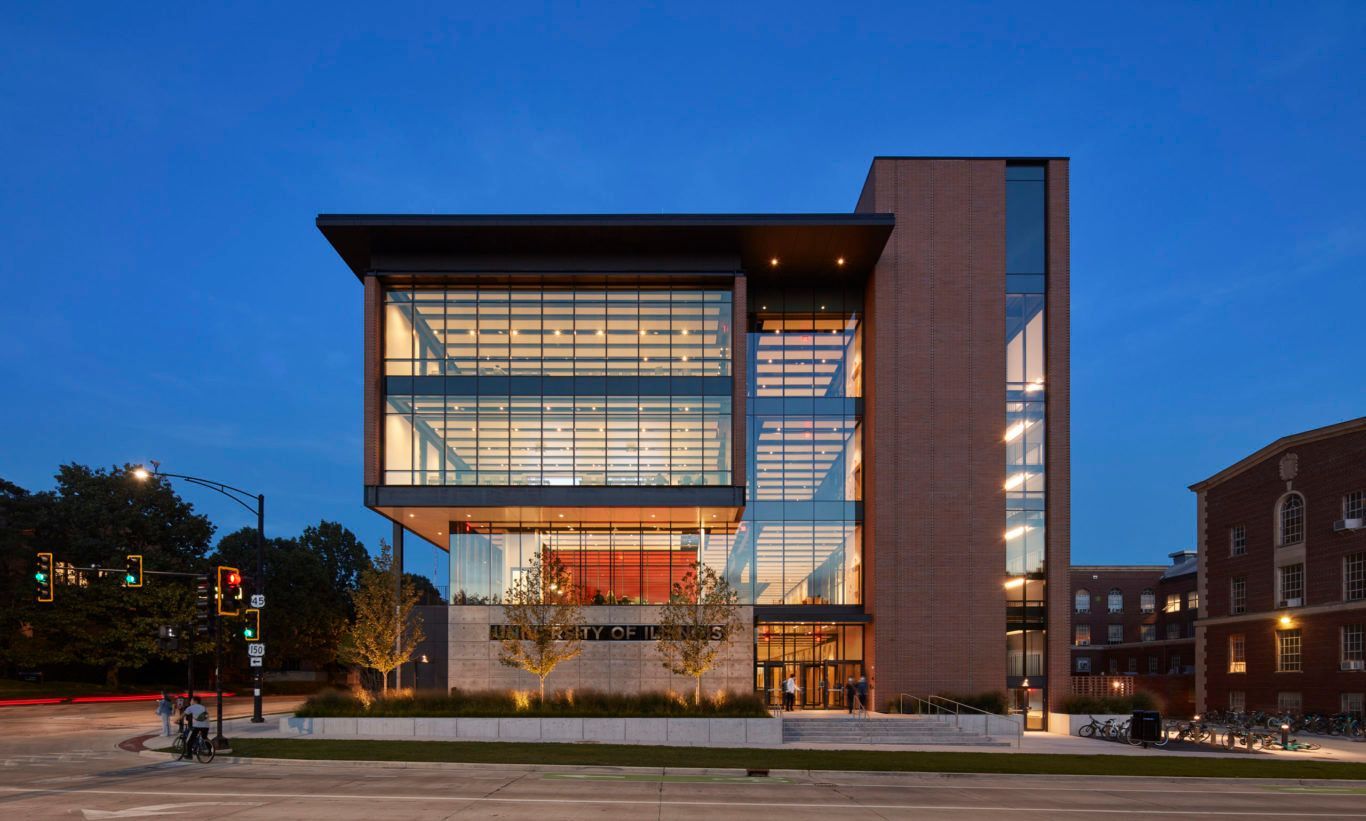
(1145, 726)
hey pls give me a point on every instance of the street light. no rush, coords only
(242, 498)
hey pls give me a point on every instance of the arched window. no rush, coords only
(1115, 601)
(1290, 520)
(1083, 601)
(1147, 602)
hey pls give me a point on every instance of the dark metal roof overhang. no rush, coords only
(803, 244)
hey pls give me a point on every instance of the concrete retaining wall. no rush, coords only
(683, 732)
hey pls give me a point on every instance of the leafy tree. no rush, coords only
(427, 593)
(386, 630)
(305, 617)
(93, 518)
(344, 556)
(701, 615)
(543, 617)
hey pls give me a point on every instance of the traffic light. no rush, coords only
(42, 577)
(229, 591)
(251, 624)
(132, 571)
(205, 611)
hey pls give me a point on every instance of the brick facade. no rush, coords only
(1323, 466)
(1161, 662)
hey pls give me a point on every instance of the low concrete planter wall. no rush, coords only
(683, 732)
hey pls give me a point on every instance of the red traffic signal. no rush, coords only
(229, 591)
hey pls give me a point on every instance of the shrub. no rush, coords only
(1082, 705)
(514, 703)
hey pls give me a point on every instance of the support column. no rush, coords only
(398, 593)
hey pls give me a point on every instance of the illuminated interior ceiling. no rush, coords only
(433, 523)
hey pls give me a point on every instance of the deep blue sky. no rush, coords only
(165, 294)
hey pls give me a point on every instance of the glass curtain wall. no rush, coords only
(801, 532)
(618, 563)
(1026, 392)
(557, 386)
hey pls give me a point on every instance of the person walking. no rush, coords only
(164, 710)
(861, 691)
(790, 689)
(850, 694)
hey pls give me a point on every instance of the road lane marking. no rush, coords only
(758, 805)
(670, 779)
(158, 809)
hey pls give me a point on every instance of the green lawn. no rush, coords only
(872, 760)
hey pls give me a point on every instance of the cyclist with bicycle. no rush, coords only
(196, 726)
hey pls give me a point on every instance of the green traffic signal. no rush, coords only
(40, 576)
(130, 578)
(249, 633)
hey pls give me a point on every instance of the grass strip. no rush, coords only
(627, 755)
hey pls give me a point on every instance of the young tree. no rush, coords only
(386, 630)
(543, 618)
(702, 614)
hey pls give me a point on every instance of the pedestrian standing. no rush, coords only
(861, 690)
(850, 694)
(164, 709)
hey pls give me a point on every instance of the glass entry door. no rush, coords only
(769, 683)
(1028, 702)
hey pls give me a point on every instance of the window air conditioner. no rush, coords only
(1348, 524)
(1291, 603)
(1354, 664)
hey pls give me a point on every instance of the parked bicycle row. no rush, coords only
(1199, 731)
(1339, 724)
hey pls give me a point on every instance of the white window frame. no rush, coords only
(1289, 701)
(1354, 703)
(1083, 664)
(1354, 505)
(1077, 635)
(1237, 540)
(1237, 701)
(1237, 653)
(1354, 577)
(1289, 651)
(1172, 603)
(1147, 601)
(1114, 600)
(1297, 526)
(1237, 595)
(1110, 631)
(1192, 600)
(1081, 601)
(1147, 632)
(1351, 643)
(1282, 591)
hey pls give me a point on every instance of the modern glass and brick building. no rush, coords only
(846, 414)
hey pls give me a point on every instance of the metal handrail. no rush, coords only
(958, 708)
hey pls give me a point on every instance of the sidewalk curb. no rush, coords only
(815, 775)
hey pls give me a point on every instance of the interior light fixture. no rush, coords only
(1016, 532)
(839, 261)
(773, 262)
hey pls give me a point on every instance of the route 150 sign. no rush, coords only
(257, 649)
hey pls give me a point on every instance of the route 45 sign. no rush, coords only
(255, 650)
(258, 600)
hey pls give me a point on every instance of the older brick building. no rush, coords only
(1138, 621)
(1283, 575)
(860, 419)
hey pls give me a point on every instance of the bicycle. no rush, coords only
(201, 748)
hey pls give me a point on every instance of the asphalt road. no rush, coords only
(63, 762)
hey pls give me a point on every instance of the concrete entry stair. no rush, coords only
(841, 729)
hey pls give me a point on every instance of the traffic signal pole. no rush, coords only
(259, 585)
(219, 742)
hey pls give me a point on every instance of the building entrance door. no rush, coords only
(815, 681)
(1028, 702)
(769, 682)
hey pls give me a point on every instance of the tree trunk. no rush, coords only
(111, 677)
(384, 683)
(543, 690)
(697, 694)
